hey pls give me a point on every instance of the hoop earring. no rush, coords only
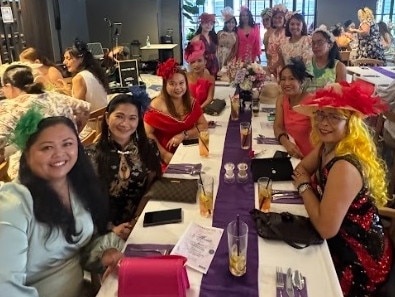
(136, 136)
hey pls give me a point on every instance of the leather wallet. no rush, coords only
(174, 189)
(215, 107)
(275, 168)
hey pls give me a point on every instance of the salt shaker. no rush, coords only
(229, 176)
(242, 175)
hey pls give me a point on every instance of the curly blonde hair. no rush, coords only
(359, 142)
(366, 14)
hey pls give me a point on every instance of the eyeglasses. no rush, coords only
(332, 118)
(318, 43)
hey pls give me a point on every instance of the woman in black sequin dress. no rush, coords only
(347, 186)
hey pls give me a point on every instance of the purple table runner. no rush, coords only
(233, 199)
(384, 71)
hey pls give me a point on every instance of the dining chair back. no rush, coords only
(95, 119)
(366, 62)
(3, 172)
(89, 139)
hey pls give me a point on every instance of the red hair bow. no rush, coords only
(167, 68)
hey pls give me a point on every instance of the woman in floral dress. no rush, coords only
(227, 38)
(276, 38)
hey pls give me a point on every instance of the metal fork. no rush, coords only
(280, 280)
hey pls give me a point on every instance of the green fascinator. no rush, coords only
(26, 126)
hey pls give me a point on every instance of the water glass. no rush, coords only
(237, 246)
(234, 107)
(242, 175)
(255, 107)
(229, 176)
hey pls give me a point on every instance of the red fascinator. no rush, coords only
(356, 96)
(167, 68)
(207, 17)
(194, 51)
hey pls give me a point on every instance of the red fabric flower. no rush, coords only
(207, 17)
(167, 68)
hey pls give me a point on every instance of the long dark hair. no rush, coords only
(299, 17)
(334, 53)
(80, 50)
(251, 21)
(298, 70)
(213, 36)
(186, 98)
(226, 23)
(146, 147)
(21, 77)
(47, 205)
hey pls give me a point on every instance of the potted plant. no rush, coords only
(191, 13)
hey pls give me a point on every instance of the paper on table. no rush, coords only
(198, 244)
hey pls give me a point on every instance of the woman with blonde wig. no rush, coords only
(347, 186)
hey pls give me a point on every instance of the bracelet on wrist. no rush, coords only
(303, 187)
(186, 134)
(281, 135)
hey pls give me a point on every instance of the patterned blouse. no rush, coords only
(301, 49)
(128, 179)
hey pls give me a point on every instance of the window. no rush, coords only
(384, 10)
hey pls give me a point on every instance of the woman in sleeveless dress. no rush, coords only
(348, 185)
(227, 38)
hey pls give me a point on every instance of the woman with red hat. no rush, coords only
(206, 33)
(249, 40)
(348, 185)
(200, 82)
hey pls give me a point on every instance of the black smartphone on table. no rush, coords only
(191, 141)
(280, 154)
(162, 217)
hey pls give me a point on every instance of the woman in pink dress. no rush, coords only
(206, 33)
(173, 116)
(227, 38)
(276, 38)
(289, 123)
(200, 82)
(249, 40)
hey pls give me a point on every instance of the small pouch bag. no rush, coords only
(215, 107)
(174, 189)
(162, 276)
(296, 231)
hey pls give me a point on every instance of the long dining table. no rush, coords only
(379, 76)
(264, 256)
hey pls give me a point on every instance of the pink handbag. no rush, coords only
(163, 276)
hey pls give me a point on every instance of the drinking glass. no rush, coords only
(255, 107)
(205, 195)
(245, 135)
(264, 193)
(242, 175)
(237, 231)
(204, 140)
(234, 108)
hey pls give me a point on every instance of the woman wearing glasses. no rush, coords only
(325, 65)
(347, 185)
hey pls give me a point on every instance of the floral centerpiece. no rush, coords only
(246, 75)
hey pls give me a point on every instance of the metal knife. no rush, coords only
(288, 284)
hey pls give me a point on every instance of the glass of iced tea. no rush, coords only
(255, 107)
(204, 140)
(264, 193)
(234, 107)
(245, 135)
(237, 246)
(205, 195)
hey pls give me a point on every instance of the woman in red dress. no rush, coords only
(173, 116)
(200, 82)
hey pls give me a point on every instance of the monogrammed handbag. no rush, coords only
(174, 189)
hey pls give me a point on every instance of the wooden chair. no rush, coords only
(366, 62)
(345, 57)
(89, 139)
(3, 172)
(95, 119)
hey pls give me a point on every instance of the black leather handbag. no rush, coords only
(215, 107)
(297, 231)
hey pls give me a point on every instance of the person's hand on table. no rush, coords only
(110, 259)
(300, 176)
(123, 230)
(293, 150)
(175, 141)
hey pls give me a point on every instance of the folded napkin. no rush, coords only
(287, 197)
(282, 292)
(184, 168)
(266, 140)
(268, 109)
(146, 249)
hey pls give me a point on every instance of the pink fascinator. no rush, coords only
(279, 8)
(194, 50)
(167, 69)
(207, 17)
(244, 8)
(227, 13)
